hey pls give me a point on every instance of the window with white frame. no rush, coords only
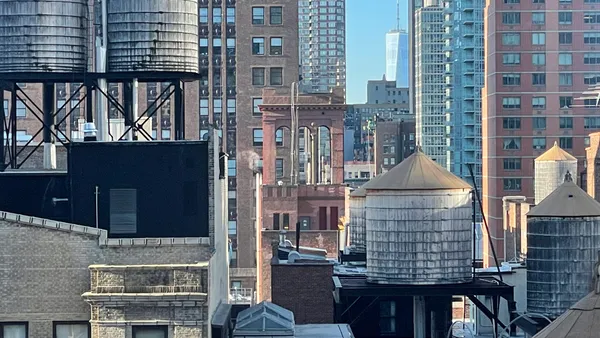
(150, 331)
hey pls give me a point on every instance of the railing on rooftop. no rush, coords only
(241, 296)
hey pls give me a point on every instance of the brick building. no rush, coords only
(267, 57)
(540, 58)
(394, 141)
(169, 287)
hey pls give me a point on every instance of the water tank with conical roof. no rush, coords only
(358, 227)
(153, 36)
(419, 225)
(43, 36)
(550, 170)
(563, 239)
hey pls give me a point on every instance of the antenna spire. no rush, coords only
(398, 16)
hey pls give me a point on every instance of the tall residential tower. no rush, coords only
(540, 58)
(322, 34)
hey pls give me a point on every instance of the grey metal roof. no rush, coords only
(264, 318)
(362, 190)
(582, 320)
(418, 172)
(568, 200)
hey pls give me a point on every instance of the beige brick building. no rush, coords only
(65, 280)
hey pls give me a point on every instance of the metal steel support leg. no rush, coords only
(12, 128)
(49, 122)
(179, 111)
(2, 131)
(419, 317)
(89, 102)
(128, 105)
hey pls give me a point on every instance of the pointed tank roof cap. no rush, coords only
(568, 200)
(556, 153)
(418, 172)
(362, 190)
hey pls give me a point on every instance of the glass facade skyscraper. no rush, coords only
(396, 57)
(464, 73)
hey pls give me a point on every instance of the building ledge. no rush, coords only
(242, 272)
(152, 242)
(148, 322)
(53, 225)
(108, 267)
(183, 297)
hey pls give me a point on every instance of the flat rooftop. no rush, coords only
(323, 331)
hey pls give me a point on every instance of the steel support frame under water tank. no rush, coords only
(14, 155)
(355, 297)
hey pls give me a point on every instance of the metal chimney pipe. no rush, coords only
(298, 237)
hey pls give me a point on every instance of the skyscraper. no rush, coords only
(322, 33)
(464, 71)
(396, 57)
(540, 57)
(429, 82)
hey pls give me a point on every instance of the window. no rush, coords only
(512, 184)
(565, 18)
(217, 44)
(566, 122)
(230, 46)
(13, 330)
(123, 211)
(586, 142)
(276, 15)
(258, 46)
(276, 46)
(539, 1)
(217, 106)
(71, 330)
(231, 167)
(538, 39)
(232, 228)
(511, 79)
(286, 221)
(512, 143)
(230, 15)
(5, 107)
(258, 15)
(511, 18)
(276, 76)
(538, 102)
(276, 221)
(386, 161)
(538, 123)
(258, 76)
(21, 109)
(565, 38)
(387, 317)
(591, 17)
(203, 107)
(279, 137)
(591, 38)
(512, 164)
(539, 143)
(255, 103)
(565, 79)
(512, 1)
(203, 14)
(565, 59)
(257, 137)
(233, 258)
(511, 39)
(392, 160)
(511, 59)
(279, 168)
(538, 79)
(538, 18)
(511, 123)
(230, 107)
(588, 59)
(591, 79)
(147, 331)
(203, 47)
(591, 122)
(565, 142)
(511, 102)
(217, 15)
(565, 102)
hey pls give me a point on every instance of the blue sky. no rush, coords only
(367, 21)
